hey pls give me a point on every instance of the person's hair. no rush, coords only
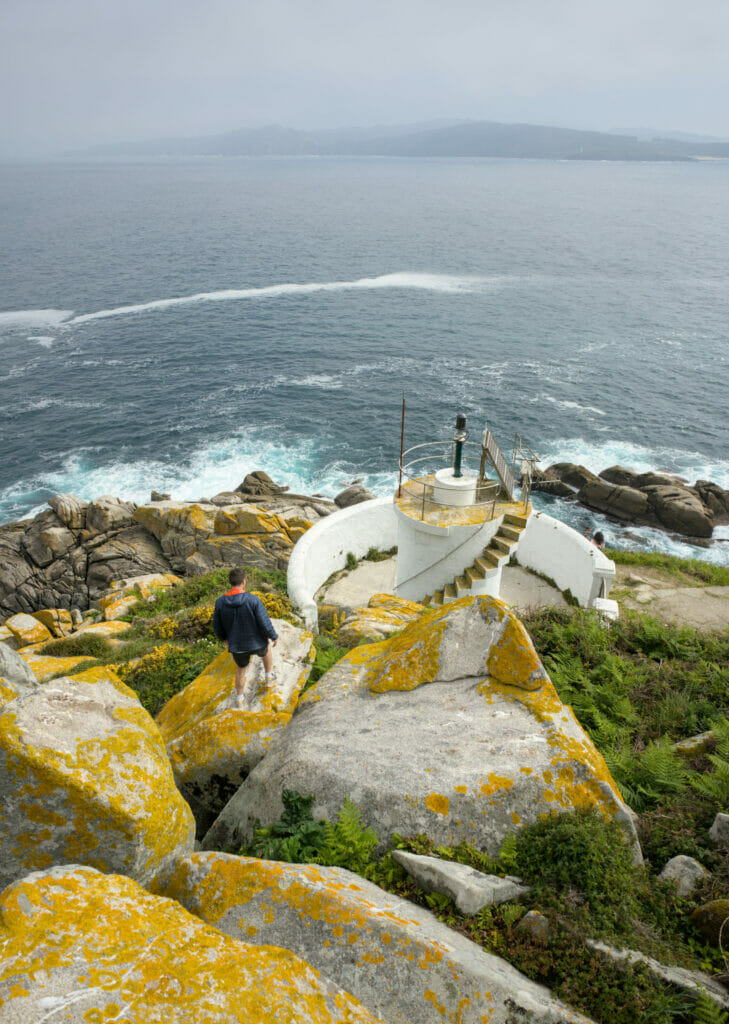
(599, 537)
(236, 577)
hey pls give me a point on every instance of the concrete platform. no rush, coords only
(519, 588)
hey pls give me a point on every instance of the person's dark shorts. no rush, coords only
(242, 658)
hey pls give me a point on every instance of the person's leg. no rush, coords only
(267, 660)
(240, 679)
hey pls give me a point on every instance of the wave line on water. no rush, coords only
(442, 283)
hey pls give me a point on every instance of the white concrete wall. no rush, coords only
(429, 556)
(323, 549)
(570, 559)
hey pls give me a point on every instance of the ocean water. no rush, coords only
(175, 324)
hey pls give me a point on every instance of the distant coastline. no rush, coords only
(432, 139)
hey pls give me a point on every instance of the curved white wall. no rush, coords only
(323, 549)
(573, 562)
(430, 556)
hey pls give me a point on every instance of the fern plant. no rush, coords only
(706, 1011)
(295, 837)
(348, 843)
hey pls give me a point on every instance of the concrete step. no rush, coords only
(462, 585)
(435, 599)
(502, 544)
(473, 574)
(449, 592)
(512, 532)
(514, 519)
(488, 560)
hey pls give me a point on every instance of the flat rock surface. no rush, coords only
(660, 594)
(394, 956)
(470, 890)
(451, 728)
(79, 946)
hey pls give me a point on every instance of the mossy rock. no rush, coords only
(710, 918)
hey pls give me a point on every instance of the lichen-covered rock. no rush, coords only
(111, 630)
(82, 947)
(70, 510)
(84, 777)
(213, 747)
(16, 676)
(57, 620)
(451, 728)
(124, 594)
(383, 615)
(28, 630)
(45, 666)
(395, 957)
(198, 537)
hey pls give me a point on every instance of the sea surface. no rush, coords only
(175, 324)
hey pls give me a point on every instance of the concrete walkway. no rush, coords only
(519, 588)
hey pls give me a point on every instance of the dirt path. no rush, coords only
(658, 593)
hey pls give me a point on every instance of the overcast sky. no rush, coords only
(78, 72)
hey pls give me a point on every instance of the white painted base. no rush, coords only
(457, 491)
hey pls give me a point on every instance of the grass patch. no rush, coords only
(203, 590)
(165, 670)
(82, 645)
(636, 688)
(328, 652)
(689, 571)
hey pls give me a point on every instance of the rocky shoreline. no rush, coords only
(68, 555)
(687, 512)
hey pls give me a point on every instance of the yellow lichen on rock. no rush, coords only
(27, 630)
(90, 755)
(410, 658)
(45, 666)
(384, 614)
(246, 519)
(512, 659)
(110, 630)
(100, 948)
(57, 620)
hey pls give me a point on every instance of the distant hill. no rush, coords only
(431, 139)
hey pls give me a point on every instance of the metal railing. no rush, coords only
(418, 475)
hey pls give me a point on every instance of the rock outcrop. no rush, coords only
(383, 615)
(84, 777)
(69, 554)
(645, 499)
(80, 946)
(451, 728)
(213, 747)
(395, 957)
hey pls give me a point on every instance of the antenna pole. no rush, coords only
(402, 445)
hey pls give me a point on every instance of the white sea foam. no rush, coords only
(597, 457)
(571, 405)
(29, 318)
(444, 283)
(216, 467)
(43, 339)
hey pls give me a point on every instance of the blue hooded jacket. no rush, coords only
(242, 620)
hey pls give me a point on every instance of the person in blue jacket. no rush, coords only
(242, 623)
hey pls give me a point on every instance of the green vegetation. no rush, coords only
(170, 640)
(328, 652)
(636, 688)
(297, 838)
(82, 645)
(687, 571)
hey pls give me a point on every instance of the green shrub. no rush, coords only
(83, 644)
(583, 855)
(166, 670)
(202, 590)
(351, 562)
(328, 653)
(298, 839)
